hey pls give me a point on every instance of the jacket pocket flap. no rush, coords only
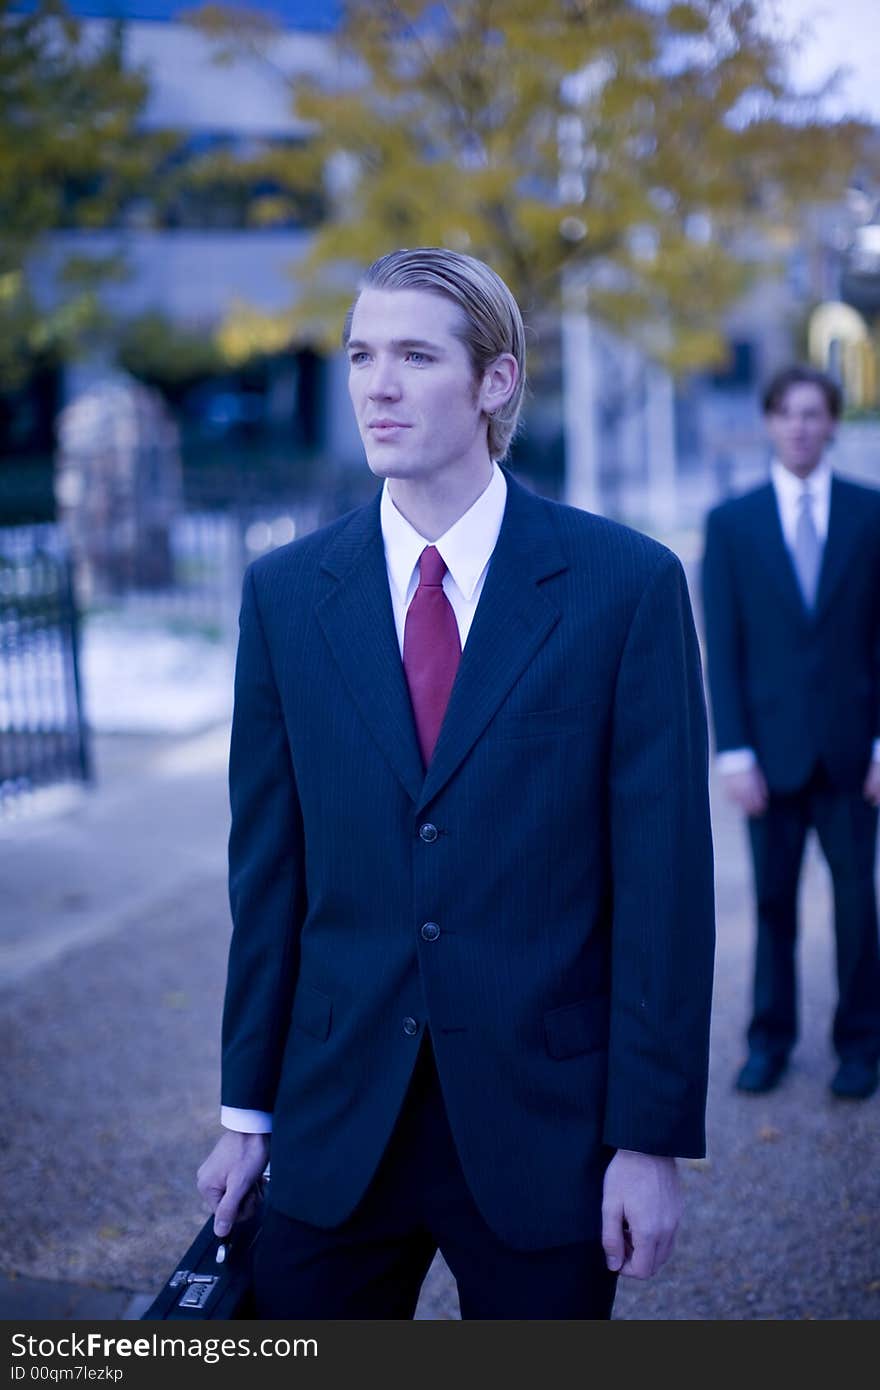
(577, 1028)
(312, 1012)
(572, 719)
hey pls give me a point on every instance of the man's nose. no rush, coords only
(383, 384)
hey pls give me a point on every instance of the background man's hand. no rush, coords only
(871, 789)
(641, 1209)
(748, 790)
(227, 1177)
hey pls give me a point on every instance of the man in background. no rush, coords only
(791, 596)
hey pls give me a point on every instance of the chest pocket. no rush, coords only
(568, 719)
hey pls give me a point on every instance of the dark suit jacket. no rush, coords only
(797, 687)
(560, 841)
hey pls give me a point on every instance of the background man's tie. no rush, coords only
(431, 650)
(807, 550)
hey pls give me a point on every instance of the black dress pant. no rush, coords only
(373, 1265)
(846, 825)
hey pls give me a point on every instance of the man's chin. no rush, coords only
(802, 466)
(385, 464)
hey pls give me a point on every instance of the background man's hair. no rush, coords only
(798, 375)
(491, 320)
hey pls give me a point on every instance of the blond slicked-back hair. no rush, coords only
(491, 321)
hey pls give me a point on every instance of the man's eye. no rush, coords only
(357, 357)
(418, 357)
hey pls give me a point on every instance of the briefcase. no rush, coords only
(213, 1278)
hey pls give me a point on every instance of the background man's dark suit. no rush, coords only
(560, 842)
(802, 689)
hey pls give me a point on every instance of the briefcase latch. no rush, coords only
(197, 1287)
(198, 1290)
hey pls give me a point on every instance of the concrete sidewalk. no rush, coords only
(102, 1011)
(112, 956)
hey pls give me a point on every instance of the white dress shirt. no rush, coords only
(466, 549)
(789, 489)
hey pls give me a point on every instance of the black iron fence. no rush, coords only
(43, 735)
(48, 597)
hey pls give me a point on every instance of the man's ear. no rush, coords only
(499, 383)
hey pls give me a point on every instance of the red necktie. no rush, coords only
(431, 650)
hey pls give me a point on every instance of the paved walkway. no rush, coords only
(112, 952)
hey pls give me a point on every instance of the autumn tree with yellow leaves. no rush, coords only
(632, 144)
(71, 155)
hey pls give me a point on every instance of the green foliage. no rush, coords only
(221, 188)
(629, 144)
(166, 355)
(70, 157)
(233, 29)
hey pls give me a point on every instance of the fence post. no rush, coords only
(86, 765)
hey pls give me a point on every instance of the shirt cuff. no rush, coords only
(246, 1121)
(737, 760)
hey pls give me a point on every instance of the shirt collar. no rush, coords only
(791, 488)
(466, 547)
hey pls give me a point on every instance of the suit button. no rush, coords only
(410, 1027)
(428, 833)
(430, 931)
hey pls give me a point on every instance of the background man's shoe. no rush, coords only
(761, 1072)
(855, 1079)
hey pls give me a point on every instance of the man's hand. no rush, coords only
(227, 1177)
(871, 789)
(748, 790)
(641, 1209)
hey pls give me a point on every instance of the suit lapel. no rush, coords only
(843, 524)
(512, 621)
(358, 622)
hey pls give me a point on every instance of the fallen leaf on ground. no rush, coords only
(768, 1134)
